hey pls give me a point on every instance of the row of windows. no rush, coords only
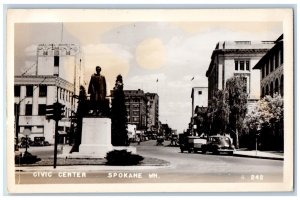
(273, 63)
(273, 88)
(242, 65)
(29, 90)
(64, 94)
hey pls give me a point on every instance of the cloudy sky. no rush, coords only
(142, 52)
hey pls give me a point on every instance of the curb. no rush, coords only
(260, 157)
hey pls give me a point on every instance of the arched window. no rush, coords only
(262, 92)
(267, 90)
(281, 85)
(267, 68)
(276, 86)
(271, 89)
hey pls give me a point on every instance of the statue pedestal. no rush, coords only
(96, 137)
(95, 140)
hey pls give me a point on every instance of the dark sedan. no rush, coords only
(218, 144)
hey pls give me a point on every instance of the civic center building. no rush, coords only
(56, 77)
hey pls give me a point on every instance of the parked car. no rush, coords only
(191, 143)
(40, 141)
(217, 144)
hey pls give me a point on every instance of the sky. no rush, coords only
(177, 54)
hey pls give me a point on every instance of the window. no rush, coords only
(43, 90)
(17, 90)
(276, 60)
(199, 92)
(248, 65)
(42, 109)
(267, 68)
(271, 89)
(29, 90)
(263, 72)
(56, 61)
(242, 65)
(28, 109)
(281, 56)
(135, 119)
(276, 86)
(271, 65)
(281, 85)
(236, 65)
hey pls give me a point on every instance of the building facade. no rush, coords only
(236, 58)
(56, 78)
(271, 70)
(152, 111)
(136, 106)
(199, 98)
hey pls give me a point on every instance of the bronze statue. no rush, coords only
(97, 89)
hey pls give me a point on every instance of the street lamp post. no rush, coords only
(256, 137)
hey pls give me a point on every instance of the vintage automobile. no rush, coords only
(40, 141)
(218, 144)
(191, 143)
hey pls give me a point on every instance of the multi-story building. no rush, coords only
(199, 98)
(136, 106)
(271, 70)
(236, 58)
(152, 111)
(57, 78)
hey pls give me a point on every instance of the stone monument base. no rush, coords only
(95, 140)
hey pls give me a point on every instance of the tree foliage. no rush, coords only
(82, 110)
(218, 113)
(119, 115)
(266, 119)
(237, 101)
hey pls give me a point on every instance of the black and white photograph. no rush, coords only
(157, 100)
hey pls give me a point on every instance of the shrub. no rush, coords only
(26, 158)
(122, 157)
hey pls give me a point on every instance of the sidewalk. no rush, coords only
(259, 154)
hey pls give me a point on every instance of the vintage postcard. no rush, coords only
(150, 100)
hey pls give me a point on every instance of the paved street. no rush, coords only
(184, 167)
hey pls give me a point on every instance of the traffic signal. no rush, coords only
(50, 112)
(55, 111)
(60, 111)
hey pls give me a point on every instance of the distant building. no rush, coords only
(199, 98)
(271, 70)
(236, 58)
(152, 111)
(57, 77)
(136, 106)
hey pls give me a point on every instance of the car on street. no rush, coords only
(218, 144)
(191, 143)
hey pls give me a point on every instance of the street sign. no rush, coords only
(26, 132)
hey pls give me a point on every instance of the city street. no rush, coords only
(184, 167)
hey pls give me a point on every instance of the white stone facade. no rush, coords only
(199, 97)
(55, 79)
(236, 58)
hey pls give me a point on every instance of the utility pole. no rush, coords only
(55, 112)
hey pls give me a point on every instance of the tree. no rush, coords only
(267, 115)
(218, 113)
(237, 101)
(201, 120)
(119, 115)
(82, 110)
